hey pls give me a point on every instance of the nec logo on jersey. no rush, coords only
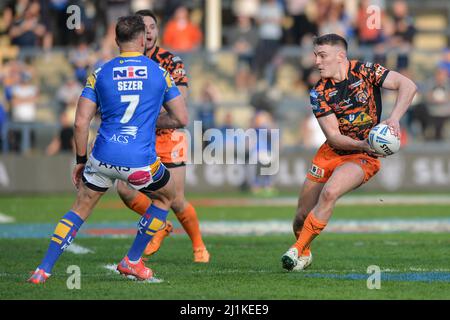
(130, 72)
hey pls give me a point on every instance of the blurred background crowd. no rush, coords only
(259, 78)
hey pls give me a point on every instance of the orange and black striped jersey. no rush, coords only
(175, 66)
(171, 63)
(356, 101)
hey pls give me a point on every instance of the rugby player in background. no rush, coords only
(171, 147)
(347, 105)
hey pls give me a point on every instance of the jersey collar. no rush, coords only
(152, 53)
(128, 54)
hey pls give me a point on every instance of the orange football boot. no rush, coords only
(138, 270)
(201, 255)
(39, 276)
(158, 239)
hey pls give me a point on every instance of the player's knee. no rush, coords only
(329, 195)
(166, 195)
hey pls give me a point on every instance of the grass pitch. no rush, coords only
(413, 265)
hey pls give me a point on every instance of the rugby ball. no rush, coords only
(383, 141)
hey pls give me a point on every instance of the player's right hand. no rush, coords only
(371, 152)
(76, 174)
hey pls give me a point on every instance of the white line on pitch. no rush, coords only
(5, 218)
(77, 249)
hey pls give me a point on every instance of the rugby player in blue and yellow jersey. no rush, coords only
(128, 93)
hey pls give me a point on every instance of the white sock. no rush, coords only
(133, 262)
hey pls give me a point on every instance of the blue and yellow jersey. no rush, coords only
(129, 91)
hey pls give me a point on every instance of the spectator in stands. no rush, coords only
(24, 106)
(206, 111)
(63, 141)
(80, 58)
(114, 10)
(371, 37)
(270, 20)
(367, 32)
(322, 10)
(230, 142)
(404, 32)
(248, 8)
(13, 10)
(180, 34)
(54, 17)
(336, 20)
(3, 120)
(445, 62)
(27, 30)
(6, 18)
(438, 102)
(12, 71)
(301, 24)
(260, 152)
(418, 118)
(70, 91)
(243, 38)
(24, 99)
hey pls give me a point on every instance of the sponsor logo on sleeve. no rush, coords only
(380, 70)
(176, 59)
(315, 104)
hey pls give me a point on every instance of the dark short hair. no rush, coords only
(128, 28)
(147, 13)
(331, 39)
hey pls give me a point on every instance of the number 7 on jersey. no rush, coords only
(133, 101)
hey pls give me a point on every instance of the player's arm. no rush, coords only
(85, 112)
(176, 115)
(330, 127)
(183, 91)
(406, 90)
(175, 105)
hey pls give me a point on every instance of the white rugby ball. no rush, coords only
(383, 141)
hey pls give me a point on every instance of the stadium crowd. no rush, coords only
(255, 32)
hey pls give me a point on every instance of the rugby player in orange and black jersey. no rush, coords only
(356, 101)
(172, 63)
(347, 104)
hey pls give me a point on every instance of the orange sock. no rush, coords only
(311, 229)
(140, 203)
(307, 249)
(189, 220)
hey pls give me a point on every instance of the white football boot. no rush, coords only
(303, 262)
(289, 260)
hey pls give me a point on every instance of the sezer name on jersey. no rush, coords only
(129, 72)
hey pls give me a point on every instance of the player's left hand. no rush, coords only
(76, 174)
(394, 125)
